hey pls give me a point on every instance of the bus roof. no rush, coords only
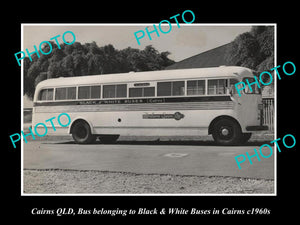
(213, 72)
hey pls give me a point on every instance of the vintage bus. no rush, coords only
(182, 102)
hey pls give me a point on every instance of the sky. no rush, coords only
(182, 42)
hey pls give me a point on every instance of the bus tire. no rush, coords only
(244, 138)
(108, 139)
(226, 132)
(81, 133)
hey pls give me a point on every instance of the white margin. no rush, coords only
(22, 113)
(275, 109)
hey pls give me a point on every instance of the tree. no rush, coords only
(165, 60)
(254, 49)
(244, 51)
(80, 64)
(56, 70)
(89, 59)
(29, 79)
(94, 64)
(68, 65)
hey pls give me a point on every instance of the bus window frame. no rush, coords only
(227, 80)
(154, 96)
(46, 88)
(108, 84)
(171, 81)
(253, 90)
(152, 84)
(227, 89)
(88, 85)
(62, 100)
(205, 87)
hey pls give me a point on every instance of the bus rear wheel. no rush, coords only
(226, 132)
(81, 133)
(108, 139)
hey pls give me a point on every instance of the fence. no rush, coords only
(268, 112)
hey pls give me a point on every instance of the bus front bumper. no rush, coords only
(257, 128)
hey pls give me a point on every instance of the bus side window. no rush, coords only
(164, 89)
(89, 92)
(142, 92)
(254, 88)
(232, 89)
(109, 91)
(46, 94)
(65, 93)
(71, 93)
(217, 86)
(84, 92)
(178, 88)
(121, 90)
(170, 88)
(60, 93)
(115, 91)
(135, 92)
(196, 87)
(95, 91)
(149, 91)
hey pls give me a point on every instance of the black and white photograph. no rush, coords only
(151, 113)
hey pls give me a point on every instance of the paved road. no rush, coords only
(202, 159)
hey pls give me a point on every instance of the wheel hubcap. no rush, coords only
(225, 131)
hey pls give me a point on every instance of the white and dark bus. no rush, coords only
(183, 102)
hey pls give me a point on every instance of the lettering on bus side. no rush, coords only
(156, 100)
(133, 101)
(221, 98)
(122, 101)
(176, 116)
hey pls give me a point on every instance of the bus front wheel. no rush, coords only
(81, 133)
(226, 132)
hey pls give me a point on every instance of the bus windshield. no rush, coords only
(254, 88)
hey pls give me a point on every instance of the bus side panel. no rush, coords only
(157, 119)
(40, 118)
(143, 123)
